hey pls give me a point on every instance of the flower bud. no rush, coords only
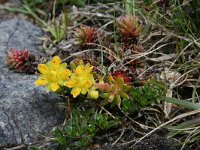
(93, 94)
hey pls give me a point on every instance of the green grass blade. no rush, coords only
(130, 7)
(183, 103)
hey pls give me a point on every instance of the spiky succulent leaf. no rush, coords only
(117, 90)
(20, 61)
(86, 35)
(129, 27)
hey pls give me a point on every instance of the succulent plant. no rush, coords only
(114, 90)
(117, 90)
(86, 35)
(129, 28)
(21, 61)
(124, 75)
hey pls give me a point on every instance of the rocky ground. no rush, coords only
(27, 113)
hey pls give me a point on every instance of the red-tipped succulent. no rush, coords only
(123, 75)
(20, 61)
(86, 35)
(129, 27)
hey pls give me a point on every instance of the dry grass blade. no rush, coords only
(164, 124)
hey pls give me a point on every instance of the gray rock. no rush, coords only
(19, 34)
(27, 112)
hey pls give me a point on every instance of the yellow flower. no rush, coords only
(53, 74)
(80, 80)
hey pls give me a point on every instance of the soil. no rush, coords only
(154, 142)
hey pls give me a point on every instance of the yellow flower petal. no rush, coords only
(43, 68)
(88, 83)
(79, 70)
(54, 87)
(84, 91)
(68, 72)
(63, 73)
(75, 92)
(52, 76)
(88, 68)
(41, 82)
(56, 61)
(70, 84)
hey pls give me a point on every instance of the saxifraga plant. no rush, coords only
(82, 127)
(21, 61)
(140, 97)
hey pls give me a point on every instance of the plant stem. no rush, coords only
(130, 7)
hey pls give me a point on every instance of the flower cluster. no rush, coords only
(55, 74)
(81, 80)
